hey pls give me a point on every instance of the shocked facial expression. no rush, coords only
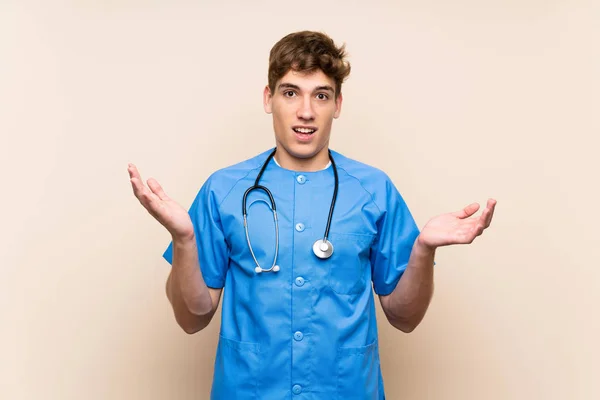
(303, 106)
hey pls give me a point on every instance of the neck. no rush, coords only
(317, 162)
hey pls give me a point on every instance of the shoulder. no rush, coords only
(358, 169)
(220, 183)
(372, 179)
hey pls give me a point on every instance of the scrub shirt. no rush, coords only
(308, 331)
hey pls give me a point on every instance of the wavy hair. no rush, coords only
(308, 51)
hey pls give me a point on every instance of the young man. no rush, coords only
(300, 254)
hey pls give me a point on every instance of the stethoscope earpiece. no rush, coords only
(258, 270)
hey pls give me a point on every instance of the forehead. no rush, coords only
(307, 80)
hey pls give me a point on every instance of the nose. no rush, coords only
(305, 110)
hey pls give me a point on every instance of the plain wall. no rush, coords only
(457, 101)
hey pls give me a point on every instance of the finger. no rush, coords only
(470, 229)
(157, 189)
(136, 181)
(145, 196)
(138, 187)
(133, 171)
(479, 230)
(488, 213)
(467, 211)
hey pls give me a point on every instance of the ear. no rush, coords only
(338, 106)
(267, 97)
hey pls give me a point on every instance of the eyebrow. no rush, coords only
(325, 87)
(292, 86)
(288, 86)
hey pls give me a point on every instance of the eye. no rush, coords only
(322, 96)
(289, 93)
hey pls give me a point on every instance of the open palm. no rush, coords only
(165, 210)
(457, 227)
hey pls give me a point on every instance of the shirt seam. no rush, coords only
(362, 186)
(234, 185)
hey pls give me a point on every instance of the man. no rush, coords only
(300, 255)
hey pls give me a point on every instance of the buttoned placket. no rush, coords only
(301, 313)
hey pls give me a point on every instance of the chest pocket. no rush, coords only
(349, 265)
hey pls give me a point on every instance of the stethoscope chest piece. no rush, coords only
(323, 249)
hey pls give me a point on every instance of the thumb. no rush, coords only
(467, 211)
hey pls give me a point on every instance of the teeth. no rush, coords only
(304, 130)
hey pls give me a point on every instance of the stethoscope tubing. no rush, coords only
(322, 249)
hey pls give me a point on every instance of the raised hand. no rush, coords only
(166, 211)
(456, 227)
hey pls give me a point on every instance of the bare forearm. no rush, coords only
(186, 289)
(407, 304)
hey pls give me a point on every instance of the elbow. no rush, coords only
(408, 328)
(191, 325)
(195, 318)
(404, 321)
(199, 308)
(191, 315)
(405, 326)
(190, 330)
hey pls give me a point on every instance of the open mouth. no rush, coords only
(305, 131)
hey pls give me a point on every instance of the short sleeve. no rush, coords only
(396, 234)
(213, 251)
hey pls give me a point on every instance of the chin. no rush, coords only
(302, 151)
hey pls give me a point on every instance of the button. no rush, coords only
(299, 281)
(299, 227)
(297, 389)
(298, 336)
(301, 179)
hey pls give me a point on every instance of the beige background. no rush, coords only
(457, 101)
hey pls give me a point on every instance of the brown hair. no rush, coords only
(308, 51)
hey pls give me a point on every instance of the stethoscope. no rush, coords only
(322, 247)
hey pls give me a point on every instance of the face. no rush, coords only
(303, 107)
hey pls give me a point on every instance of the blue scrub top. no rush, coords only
(308, 331)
